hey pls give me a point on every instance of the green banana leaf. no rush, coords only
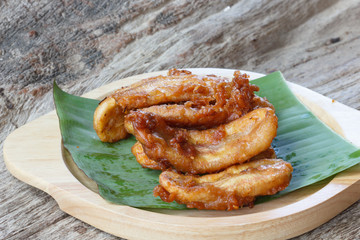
(313, 149)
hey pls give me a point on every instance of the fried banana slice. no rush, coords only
(109, 121)
(235, 187)
(178, 87)
(189, 117)
(204, 117)
(146, 162)
(204, 151)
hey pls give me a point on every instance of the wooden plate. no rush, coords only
(32, 153)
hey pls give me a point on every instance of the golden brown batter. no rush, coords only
(235, 187)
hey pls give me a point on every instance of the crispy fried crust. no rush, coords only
(238, 103)
(176, 115)
(177, 87)
(205, 151)
(146, 162)
(230, 189)
(213, 100)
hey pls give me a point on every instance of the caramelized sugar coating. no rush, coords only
(146, 162)
(221, 99)
(235, 187)
(232, 100)
(192, 124)
(208, 116)
(204, 151)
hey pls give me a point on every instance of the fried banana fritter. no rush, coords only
(146, 162)
(217, 99)
(187, 124)
(204, 151)
(184, 116)
(207, 116)
(235, 187)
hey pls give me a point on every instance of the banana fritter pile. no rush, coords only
(211, 136)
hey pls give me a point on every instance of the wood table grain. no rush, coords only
(87, 43)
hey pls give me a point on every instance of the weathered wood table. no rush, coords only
(86, 44)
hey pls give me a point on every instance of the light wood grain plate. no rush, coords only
(33, 154)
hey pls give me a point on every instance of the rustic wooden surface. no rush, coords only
(85, 44)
